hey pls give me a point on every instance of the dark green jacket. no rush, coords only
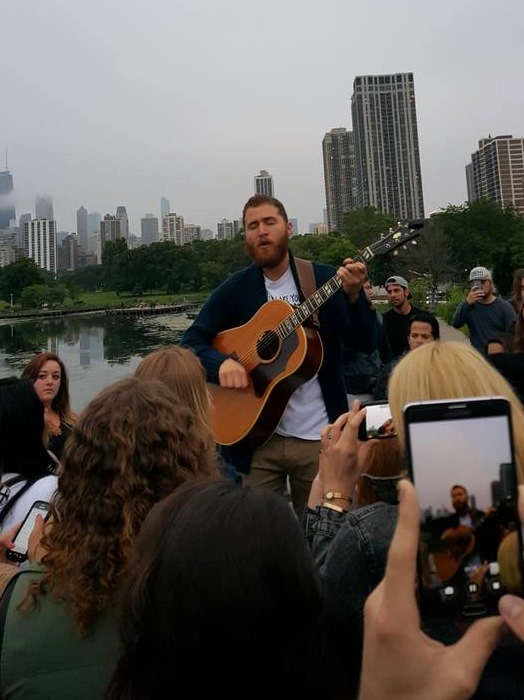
(42, 656)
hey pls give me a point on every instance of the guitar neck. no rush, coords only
(308, 307)
(387, 243)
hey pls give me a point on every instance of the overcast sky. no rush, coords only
(112, 102)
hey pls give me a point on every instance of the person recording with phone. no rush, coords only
(482, 312)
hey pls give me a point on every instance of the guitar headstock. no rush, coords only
(404, 232)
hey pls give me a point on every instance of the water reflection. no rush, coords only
(96, 349)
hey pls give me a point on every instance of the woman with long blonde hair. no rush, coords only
(452, 370)
(180, 369)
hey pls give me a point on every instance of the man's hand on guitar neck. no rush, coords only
(353, 275)
(232, 375)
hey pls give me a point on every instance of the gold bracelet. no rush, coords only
(332, 506)
(331, 495)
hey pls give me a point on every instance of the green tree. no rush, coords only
(18, 275)
(87, 279)
(33, 296)
(364, 226)
(483, 233)
(115, 258)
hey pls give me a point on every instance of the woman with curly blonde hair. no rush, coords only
(132, 446)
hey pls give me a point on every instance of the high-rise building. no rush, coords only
(93, 223)
(386, 145)
(338, 150)
(20, 238)
(192, 232)
(7, 205)
(44, 207)
(81, 228)
(121, 214)
(173, 229)
(224, 230)
(110, 230)
(227, 230)
(40, 243)
(264, 183)
(149, 229)
(496, 172)
(318, 228)
(165, 207)
(67, 253)
(294, 226)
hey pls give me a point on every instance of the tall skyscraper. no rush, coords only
(40, 243)
(386, 144)
(264, 183)
(93, 223)
(294, 226)
(67, 253)
(149, 229)
(224, 230)
(121, 215)
(165, 207)
(81, 228)
(7, 205)
(44, 207)
(173, 229)
(340, 182)
(496, 172)
(20, 238)
(110, 230)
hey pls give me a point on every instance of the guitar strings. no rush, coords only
(328, 288)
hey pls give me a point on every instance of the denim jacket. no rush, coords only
(350, 550)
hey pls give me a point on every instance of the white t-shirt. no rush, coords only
(305, 414)
(41, 490)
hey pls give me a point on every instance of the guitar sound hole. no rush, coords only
(268, 345)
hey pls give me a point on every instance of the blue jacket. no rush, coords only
(237, 300)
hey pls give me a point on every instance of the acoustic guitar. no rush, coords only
(455, 547)
(279, 355)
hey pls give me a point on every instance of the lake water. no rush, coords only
(96, 349)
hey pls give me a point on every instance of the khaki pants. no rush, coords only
(281, 458)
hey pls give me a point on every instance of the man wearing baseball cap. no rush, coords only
(484, 314)
(396, 320)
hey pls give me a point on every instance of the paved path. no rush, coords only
(447, 332)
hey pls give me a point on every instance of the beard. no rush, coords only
(268, 255)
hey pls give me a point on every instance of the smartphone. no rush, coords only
(377, 422)
(21, 541)
(476, 284)
(461, 460)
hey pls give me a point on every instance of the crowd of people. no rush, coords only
(169, 561)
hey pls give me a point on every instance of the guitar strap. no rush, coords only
(306, 279)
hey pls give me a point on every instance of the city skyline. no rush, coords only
(122, 117)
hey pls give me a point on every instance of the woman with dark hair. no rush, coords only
(26, 467)
(221, 600)
(132, 446)
(49, 376)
